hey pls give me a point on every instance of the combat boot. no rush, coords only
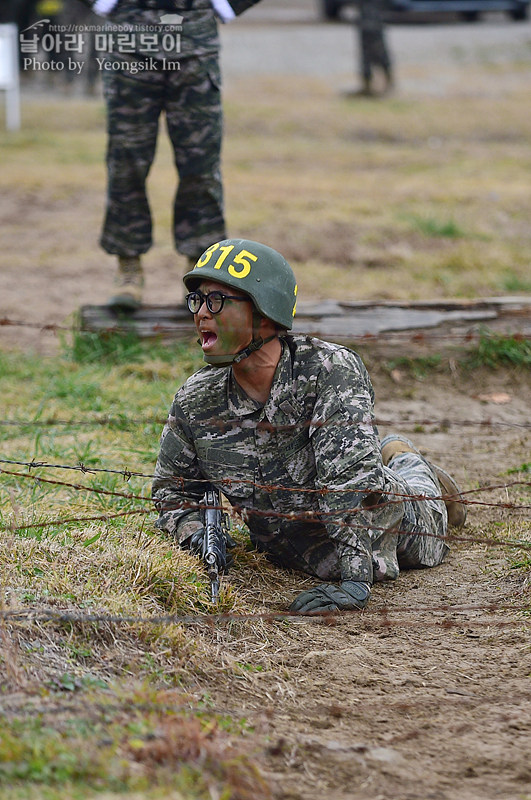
(367, 89)
(128, 284)
(393, 445)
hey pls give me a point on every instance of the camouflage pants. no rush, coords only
(401, 533)
(190, 98)
(374, 52)
(421, 523)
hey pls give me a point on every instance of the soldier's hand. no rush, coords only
(329, 597)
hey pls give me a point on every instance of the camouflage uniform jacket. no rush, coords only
(224, 9)
(199, 30)
(310, 451)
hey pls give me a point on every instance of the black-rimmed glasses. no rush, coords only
(214, 301)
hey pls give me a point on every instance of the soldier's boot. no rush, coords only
(128, 284)
(367, 89)
(394, 444)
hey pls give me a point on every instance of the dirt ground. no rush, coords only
(432, 698)
(426, 694)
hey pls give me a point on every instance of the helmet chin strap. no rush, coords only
(227, 359)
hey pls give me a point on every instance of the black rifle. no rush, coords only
(214, 552)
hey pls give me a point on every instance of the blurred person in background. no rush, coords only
(169, 63)
(376, 68)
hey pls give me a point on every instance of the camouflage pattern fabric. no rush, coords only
(177, 74)
(311, 451)
(105, 7)
(374, 52)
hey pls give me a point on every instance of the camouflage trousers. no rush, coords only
(416, 527)
(190, 98)
(374, 52)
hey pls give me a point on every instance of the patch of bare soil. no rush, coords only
(425, 694)
(48, 278)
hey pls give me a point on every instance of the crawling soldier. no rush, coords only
(283, 425)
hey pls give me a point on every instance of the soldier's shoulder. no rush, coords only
(204, 386)
(321, 354)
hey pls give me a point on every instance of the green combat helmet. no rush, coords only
(259, 271)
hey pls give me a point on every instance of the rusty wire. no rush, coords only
(381, 615)
(160, 330)
(270, 488)
(224, 425)
(245, 513)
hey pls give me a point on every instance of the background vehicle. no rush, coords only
(467, 9)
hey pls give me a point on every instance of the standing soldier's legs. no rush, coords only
(194, 119)
(134, 104)
(365, 34)
(365, 58)
(373, 47)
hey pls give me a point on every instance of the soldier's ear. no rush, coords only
(267, 327)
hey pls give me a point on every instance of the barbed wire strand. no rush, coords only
(224, 425)
(199, 506)
(105, 517)
(268, 487)
(381, 615)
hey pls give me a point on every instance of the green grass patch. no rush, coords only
(523, 562)
(100, 459)
(514, 283)
(492, 351)
(496, 350)
(420, 366)
(140, 744)
(430, 226)
(111, 347)
(126, 347)
(525, 467)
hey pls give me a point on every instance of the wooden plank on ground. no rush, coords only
(421, 323)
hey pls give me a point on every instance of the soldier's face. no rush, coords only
(229, 331)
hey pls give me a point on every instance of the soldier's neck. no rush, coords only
(255, 374)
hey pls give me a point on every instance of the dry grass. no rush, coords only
(414, 197)
(343, 188)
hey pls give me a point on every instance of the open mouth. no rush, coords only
(208, 339)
